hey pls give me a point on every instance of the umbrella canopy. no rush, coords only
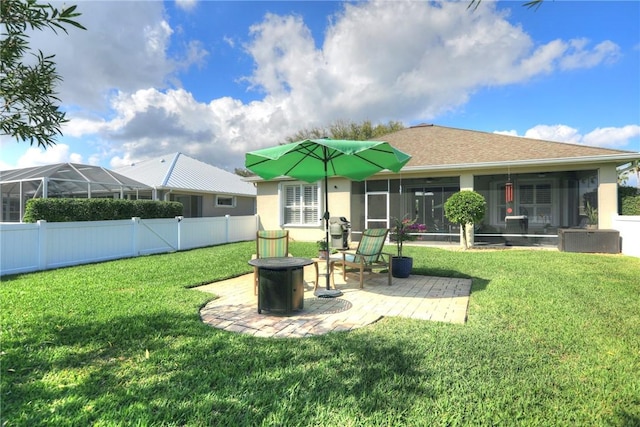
(314, 159)
(311, 160)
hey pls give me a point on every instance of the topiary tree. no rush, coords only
(463, 208)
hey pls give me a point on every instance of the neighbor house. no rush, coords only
(532, 187)
(203, 189)
(68, 180)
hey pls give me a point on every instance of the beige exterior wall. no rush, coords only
(270, 211)
(466, 181)
(268, 203)
(607, 195)
(244, 205)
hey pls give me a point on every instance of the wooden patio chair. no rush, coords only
(269, 244)
(368, 255)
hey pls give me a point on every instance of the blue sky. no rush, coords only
(214, 79)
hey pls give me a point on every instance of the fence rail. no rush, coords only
(46, 245)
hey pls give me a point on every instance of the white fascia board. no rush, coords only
(614, 158)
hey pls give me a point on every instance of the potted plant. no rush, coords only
(401, 232)
(323, 248)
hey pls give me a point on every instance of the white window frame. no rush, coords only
(533, 208)
(222, 205)
(553, 219)
(282, 189)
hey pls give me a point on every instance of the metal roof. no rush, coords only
(68, 179)
(178, 171)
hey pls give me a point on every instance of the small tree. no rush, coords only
(342, 129)
(463, 208)
(28, 110)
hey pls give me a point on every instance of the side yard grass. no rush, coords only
(551, 339)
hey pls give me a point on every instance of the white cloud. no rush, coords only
(379, 61)
(187, 4)
(507, 132)
(562, 133)
(613, 137)
(610, 137)
(59, 153)
(579, 57)
(123, 49)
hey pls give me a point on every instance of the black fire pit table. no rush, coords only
(280, 283)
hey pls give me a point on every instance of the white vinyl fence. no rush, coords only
(46, 245)
(629, 228)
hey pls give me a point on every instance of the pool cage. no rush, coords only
(63, 180)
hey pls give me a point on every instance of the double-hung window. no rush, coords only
(536, 202)
(300, 204)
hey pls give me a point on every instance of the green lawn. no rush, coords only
(552, 339)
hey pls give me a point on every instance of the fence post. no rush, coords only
(179, 218)
(135, 236)
(227, 225)
(42, 244)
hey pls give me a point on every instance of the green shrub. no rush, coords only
(66, 210)
(631, 205)
(465, 207)
(628, 200)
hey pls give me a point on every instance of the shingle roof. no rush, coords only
(180, 172)
(438, 146)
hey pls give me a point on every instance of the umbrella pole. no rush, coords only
(326, 225)
(328, 292)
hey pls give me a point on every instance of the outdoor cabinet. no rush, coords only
(281, 290)
(585, 240)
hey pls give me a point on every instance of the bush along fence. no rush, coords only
(43, 245)
(68, 210)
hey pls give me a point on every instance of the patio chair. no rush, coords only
(368, 255)
(269, 244)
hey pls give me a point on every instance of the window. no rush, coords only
(300, 203)
(533, 199)
(225, 202)
(535, 202)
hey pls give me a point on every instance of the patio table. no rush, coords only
(280, 283)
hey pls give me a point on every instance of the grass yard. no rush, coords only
(552, 339)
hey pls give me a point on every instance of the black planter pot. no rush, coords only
(401, 266)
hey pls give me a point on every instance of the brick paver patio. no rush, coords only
(419, 297)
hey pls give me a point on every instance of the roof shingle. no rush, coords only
(431, 145)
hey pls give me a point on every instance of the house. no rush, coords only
(203, 189)
(532, 187)
(62, 180)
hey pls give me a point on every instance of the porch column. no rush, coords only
(466, 183)
(607, 195)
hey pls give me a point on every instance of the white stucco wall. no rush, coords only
(629, 228)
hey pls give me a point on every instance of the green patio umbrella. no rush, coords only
(313, 159)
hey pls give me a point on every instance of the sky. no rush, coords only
(215, 79)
